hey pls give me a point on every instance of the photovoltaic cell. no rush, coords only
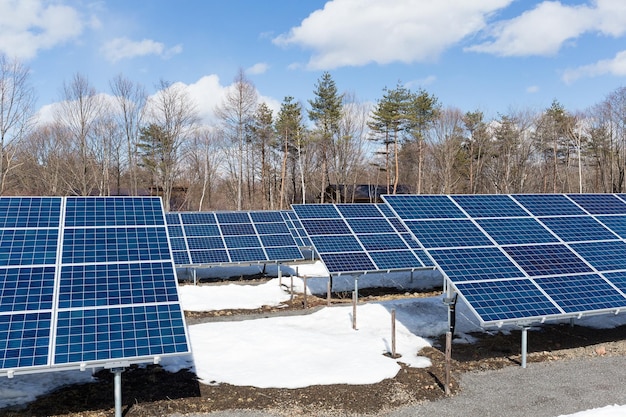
(615, 223)
(448, 233)
(581, 293)
(516, 231)
(550, 259)
(413, 207)
(475, 264)
(500, 205)
(506, 300)
(548, 204)
(604, 256)
(600, 203)
(578, 228)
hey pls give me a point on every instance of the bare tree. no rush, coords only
(236, 113)
(16, 112)
(174, 118)
(78, 112)
(131, 100)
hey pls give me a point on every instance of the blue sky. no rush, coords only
(488, 55)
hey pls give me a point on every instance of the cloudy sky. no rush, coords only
(488, 55)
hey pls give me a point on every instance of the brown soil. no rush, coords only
(151, 391)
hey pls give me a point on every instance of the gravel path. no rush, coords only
(546, 389)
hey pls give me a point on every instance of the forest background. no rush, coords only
(127, 142)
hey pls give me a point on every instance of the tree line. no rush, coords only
(126, 142)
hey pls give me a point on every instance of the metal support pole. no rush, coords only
(280, 277)
(393, 332)
(450, 301)
(194, 273)
(329, 285)
(117, 390)
(524, 345)
(448, 361)
(355, 300)
(305, 304)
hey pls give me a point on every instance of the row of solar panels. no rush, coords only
(86, 282)
(91, 281)
(517, 258)
(349, 238)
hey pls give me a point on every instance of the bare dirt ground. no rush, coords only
(151, 391)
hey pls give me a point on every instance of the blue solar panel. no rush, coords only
(236, 237)
(31, 212)
(393, 259)
(326, 227)
(516, 231)
(119, 332)
(335, 244)
(360, 225)
(266, 217)
(233, 217)
(615, 223)
(26, 288)
(316, 211)
(478, 206)
(548, 204)
(346, 236)
(25, 340)
(198, 218)
(582, 293)
(496, 301)
(604, 256)
(113, 211)
(88, 245)
(209, 242)
(383, 241)
(424, 207)
(474, 264)
(618, 279)
(355, 211)
(577, 228)
(355, 262)
(448, 233)
(550, 259)
(69, 260)
(600, 203)
(28, 246)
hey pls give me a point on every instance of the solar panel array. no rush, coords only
(515, 258)
(295, 227)
(359, 238)
(235, 237)
(86, 282)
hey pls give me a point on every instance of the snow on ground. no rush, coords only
(298, 351)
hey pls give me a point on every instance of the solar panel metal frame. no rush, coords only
(237, 232)
(480, 280)
(65, 323)
(340, 236)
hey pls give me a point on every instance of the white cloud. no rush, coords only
(421, 82)
(258, 68)
(532, 89)
(615, 66)
(358, 32)
(208, 92)
(546, 28)
(124, 48)
(26, 27)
